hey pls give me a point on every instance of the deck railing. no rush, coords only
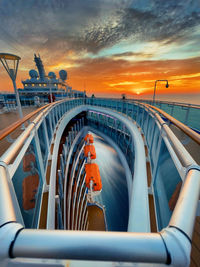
(172, 167)
(188, 114)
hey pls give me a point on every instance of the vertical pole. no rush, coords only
(17, 99)
(187, 115)
(45, 133)
(39, 158)
(50, 123)
(51, 115)
(50, 93)
(172, 110)
(62, 165)
(157, 158)
(56, 113)
(142, 122)
(151, 138)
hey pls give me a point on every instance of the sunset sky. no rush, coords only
(108, 47)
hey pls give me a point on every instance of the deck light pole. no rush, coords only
(12, 72)
(154, 93)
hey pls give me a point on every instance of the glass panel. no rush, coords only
(193, 118)
(191, 146)
(48, 127)
(154, 148)
(167, 187)
(150, 131)
(43, 144)
(28, 187)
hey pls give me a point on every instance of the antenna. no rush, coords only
(40, 67)
(10, 63)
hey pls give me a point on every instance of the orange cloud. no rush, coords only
(105, 75)
(113, 77)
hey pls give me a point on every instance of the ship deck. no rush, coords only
(8, 118)
(96, 219)
(195, 253)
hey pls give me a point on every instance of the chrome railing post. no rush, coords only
(137, 116)
(59, 213)
(59, 111)
(56, 112)
(39, 157)
(62, 165)
(156, 158)
(152, 136)
(60, 184)
(45, 133)
(50, 124)
(52, 114)
(187, 115)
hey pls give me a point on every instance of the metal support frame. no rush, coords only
(77, 222)
(82, 132)
(75, 204)
(72, 174)
(172, 245)
(100, 246)
(51, 206)
(39, 157)
(82, 206)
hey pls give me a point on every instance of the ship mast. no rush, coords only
(40, 67)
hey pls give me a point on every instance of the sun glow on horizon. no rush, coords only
(106, 47)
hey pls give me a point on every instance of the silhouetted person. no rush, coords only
(51, 98)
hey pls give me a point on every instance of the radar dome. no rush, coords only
(51, 75)
(33, 73)
(63, 75)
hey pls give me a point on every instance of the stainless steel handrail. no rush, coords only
(129, 247)
(105, 246)
(15, 147)
(168, 103)
(183, 155)
(7, 210)
(188, 131)
(10, 129)
(184, 213)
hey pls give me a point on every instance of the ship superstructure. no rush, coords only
(41, 84)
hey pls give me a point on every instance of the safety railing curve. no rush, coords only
(132, 246)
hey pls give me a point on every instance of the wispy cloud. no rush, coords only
(124, 83)
(94, 25)
(69, 34)
(132, 56)
(185, 76)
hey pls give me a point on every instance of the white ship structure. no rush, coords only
(39, 86)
